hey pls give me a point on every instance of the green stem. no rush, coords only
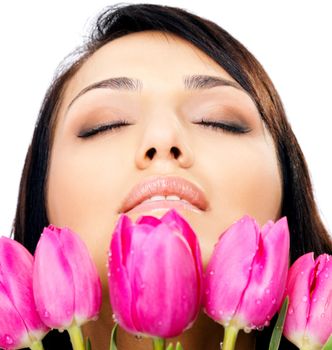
(230, 338)
(76, 337)
(158, 343)
(37, 345)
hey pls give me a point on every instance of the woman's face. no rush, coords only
(176, 91)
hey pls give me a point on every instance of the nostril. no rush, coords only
(150, 153)
(176, 152)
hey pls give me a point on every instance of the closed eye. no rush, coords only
(224, 127)
(102, 128)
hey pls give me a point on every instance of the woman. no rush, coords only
(160, 98)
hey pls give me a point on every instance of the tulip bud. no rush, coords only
(246, 276)
(67, 288)
(155, 275)
(20, 324)
(309, 286)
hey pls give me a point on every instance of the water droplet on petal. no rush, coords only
(118, 269)
(160, 323)
(207, 292)
(211, 272)
(9, 340)
(61, 330)
(46, 314)
(258, 301)
(108, 274)
(305, 338)
(260, 328)
(290, 311)
(220, 312)
(326, 275)
(247, 329)
(250, 268)
(114, 318)
(213, 312)
(132, 251)
(109, 253)
(304, 299)
(94, 318)
(302, 272)
(322, 315)
(274, 300)
(68, 312)
(267, 323)
(314, 300)
(267, 290)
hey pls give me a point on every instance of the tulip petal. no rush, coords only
(85, 276)
(16, 269)
(120, 289)
(298, 290)
(53, 292)
(148, 220)
(319, 324)
(156, 278)
(13, 332)
(177, 223)
(263, 296)
(229, 270)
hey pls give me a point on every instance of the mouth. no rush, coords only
(161, 193)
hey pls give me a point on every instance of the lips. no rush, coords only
(192, 197)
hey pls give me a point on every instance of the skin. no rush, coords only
(89, 177)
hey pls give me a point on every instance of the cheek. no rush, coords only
(247, 180)
(84, 193)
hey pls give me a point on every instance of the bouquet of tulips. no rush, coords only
(157, 285)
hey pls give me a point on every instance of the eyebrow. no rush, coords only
(198, 82)
(191, 82)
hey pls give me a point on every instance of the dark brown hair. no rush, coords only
(298, 204)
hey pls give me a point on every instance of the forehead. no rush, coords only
(160, 60)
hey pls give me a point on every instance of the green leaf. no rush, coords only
(88, 344)
(158, 343)
(278, 328)
(170, 346)
(178, 346)
(328, 344)
(113, 338)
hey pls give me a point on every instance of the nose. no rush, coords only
(164, 142)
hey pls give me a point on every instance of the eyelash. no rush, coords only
(102, 128)
(219, 126)
(224, 127)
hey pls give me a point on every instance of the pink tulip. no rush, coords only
(20, 324)
(309, 319)
(67, 288)
(155, 275)
(246, 276)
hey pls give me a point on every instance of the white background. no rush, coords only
(292, 39)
